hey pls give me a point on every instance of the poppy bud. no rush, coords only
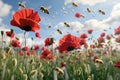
(2, 32)
(37, 34)
(14, 62)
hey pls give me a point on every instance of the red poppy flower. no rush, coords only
(15, 43)
(26, 20)
(118, 39)
(49, 41)
(117, 64)
(94, 58)
(117, 31)
(46, 54)
(100, 45)
(101, 39)
(37, 34)
(82, 41)
(90, 31)
(102, 34)
(25, 48)
(21, 53)
(63, 64)
(9, 34)
(108, 37)
(68, 43)
(28, 53)
(93, 46)
(78, 15)
(36, 47)
(83, 35)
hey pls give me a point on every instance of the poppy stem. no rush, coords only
(25, 38)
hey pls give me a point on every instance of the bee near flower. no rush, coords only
(25, 77)
(33, 72)
(14, 62)
(21, 71)
(2, 56)
(44, 9)
(99, 61)
(59, 70)
(21, 5)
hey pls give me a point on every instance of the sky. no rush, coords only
(57, 8)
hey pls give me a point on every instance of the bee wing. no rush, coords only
(49, 7)
(46, 11)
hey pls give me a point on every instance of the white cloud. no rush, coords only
(112, 20)
(75, 26)
(85, 2)
(0, 20)
(4, 9)
(95, 24)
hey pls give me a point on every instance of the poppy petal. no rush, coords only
(30, 24)
(35, 17)
(14, 23)
(24, 13)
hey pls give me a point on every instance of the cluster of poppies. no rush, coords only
(28, 20)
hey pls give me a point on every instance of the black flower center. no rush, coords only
(27, 28)
(45, 54)
(70, 48)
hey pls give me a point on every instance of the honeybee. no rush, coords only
(49, 26)
(16, 38)
(102, 12)
(66, 24)
(75, 4)
(82, 16)
(59, 31)
(88, 10)
(20, 4)
(45, 10)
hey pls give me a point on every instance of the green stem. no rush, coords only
(25, 38)
(2, 43)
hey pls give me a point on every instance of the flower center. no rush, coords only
(27, 28)
(70, 48)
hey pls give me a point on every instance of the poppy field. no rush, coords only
(72, 57)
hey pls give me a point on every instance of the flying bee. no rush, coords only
(45, 10)
(20, 4)
(63, 8)
(88, 10)
(82, 16)
(65, 12)
(102, 12)
(16, 38)
(59, 31)
(75, 4)
(49, 26)
(66, 24)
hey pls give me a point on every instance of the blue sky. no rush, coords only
(56, 18)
